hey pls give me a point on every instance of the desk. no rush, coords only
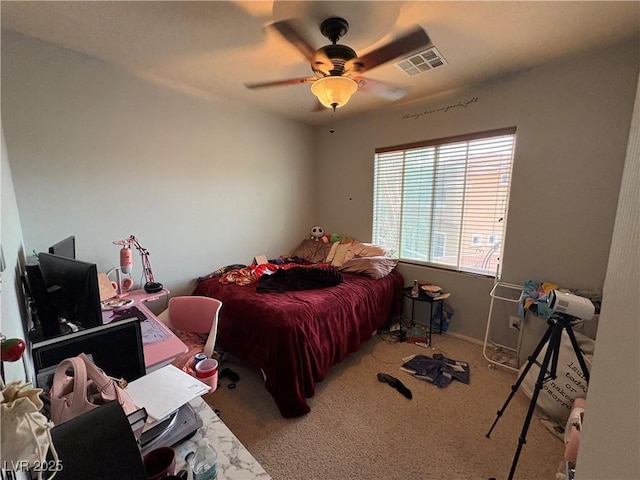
(160, 344)
(143, 297)
(423, 297)
(234, 460)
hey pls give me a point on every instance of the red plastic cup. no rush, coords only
(207, 372)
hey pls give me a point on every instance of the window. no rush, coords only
(434, 202)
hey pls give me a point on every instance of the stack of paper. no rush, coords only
(163, 391)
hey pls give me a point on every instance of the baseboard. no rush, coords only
(465, 338)
(449, 334)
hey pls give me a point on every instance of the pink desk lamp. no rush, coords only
(126, 262)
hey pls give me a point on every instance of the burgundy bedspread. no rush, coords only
(296, 337)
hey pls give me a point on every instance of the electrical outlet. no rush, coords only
(514, 322)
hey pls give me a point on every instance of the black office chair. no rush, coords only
(98, 445)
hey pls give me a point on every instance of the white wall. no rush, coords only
(572, 122)
(12, 311)
(610, 444)
(101, 154)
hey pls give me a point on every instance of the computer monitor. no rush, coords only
(64, 248)
(116, 347)
(72, 289)
(46, 323)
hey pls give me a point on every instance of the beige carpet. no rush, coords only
(360, 428)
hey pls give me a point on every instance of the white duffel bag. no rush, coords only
(556, 397)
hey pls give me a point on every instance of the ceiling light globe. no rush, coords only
(334, 91)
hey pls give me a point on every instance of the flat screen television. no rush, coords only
(115, 347)
(71, 289)
(64, 248)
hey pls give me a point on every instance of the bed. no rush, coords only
(295, 337)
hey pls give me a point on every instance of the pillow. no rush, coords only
(339, 254)
(374, 267)
(312, 251)
(332, 251)
(360, 249)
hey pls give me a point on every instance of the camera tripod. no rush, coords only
(557, 323)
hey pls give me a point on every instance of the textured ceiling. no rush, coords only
(211, 49)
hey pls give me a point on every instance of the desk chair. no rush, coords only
(194, 320)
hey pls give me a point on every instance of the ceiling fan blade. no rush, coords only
(413, 40)
(279, 83)
(380, 89)
(290, 33)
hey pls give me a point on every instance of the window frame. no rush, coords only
(404, 202)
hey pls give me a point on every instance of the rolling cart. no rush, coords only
(503, 355)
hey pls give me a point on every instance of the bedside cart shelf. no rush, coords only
(505, 356)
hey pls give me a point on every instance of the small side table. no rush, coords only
(423, 297)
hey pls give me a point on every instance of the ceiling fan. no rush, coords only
(337, 67)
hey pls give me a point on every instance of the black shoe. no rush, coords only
(230, 374)
(395, 383)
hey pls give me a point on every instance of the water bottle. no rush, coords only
(205, 462)
(415, 290)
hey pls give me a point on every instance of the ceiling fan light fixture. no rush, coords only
(334, 91)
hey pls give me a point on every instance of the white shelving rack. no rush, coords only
(503, 355)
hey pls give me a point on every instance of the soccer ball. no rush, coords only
(316, 232)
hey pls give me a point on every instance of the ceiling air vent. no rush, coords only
(421, 62)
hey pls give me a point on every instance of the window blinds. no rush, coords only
(444, 202)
